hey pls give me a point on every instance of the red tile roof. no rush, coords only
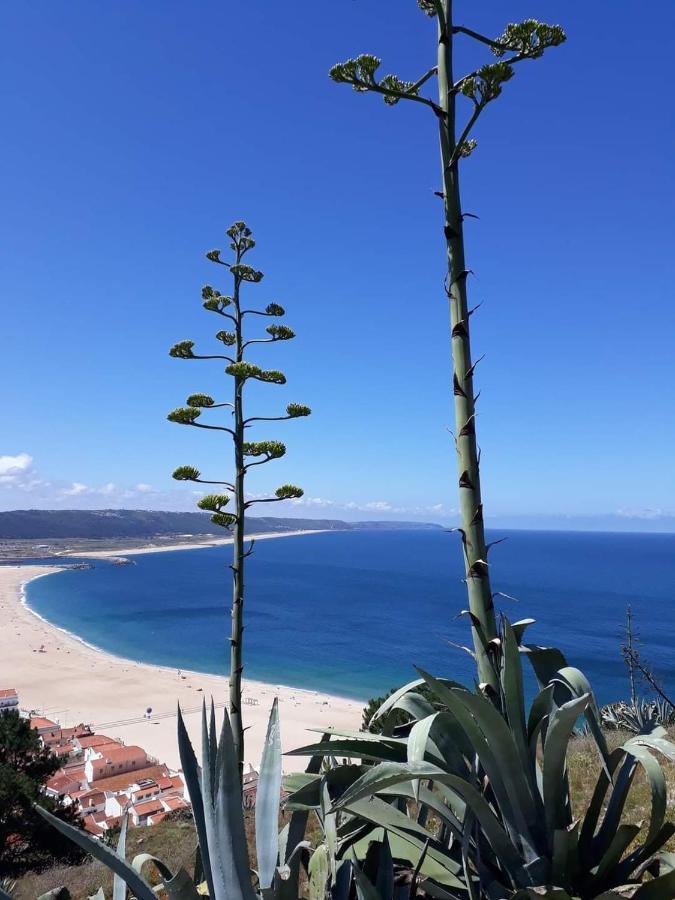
(148, 808)
(120, 782)
(176, 803)
(120, 753)
(8, 692)
(96, 740)
(41, 722)
(158, 817)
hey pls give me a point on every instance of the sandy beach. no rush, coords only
(71, 682)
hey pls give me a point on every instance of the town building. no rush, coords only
(9, 700)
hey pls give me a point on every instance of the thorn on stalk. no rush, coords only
(494, 544)
(472, 368)
(475, 308)
(460, 330)
(463, 274)
(469, 427)
(457, 389)
(469, 216)
(478, 515)
(475, 398)
(439, 194)
(465, 481)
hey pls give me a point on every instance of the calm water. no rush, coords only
(351, 612)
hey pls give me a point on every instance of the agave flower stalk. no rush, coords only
(247, 454)
(526, 40)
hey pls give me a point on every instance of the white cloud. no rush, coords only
(646, 513)
(145, 488)
(15, 470)
(75, 489)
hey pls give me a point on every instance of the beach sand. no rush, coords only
(71, 683)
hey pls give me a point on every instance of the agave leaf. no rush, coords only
(192, 775)
(520, 626)
(406, 839)
(358, 735)
(318, 873)
(545, 662)
(383, 749)
(229, 822)
(330, 829)
(212, 842)
(384, 883)
(100, 851)
(343, 882)
(267, 801)
(493, 744)
(556, 794)
(590, 821)
(415, 705)
(177, 887)
(394, 698)
(364, 889)
(389, 774)
(514, 698)
(661, 888)
(119, 887)
(417, 745)
(542, 706)
(577, 684)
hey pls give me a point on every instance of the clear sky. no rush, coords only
(134, 133)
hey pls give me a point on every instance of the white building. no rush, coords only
(9, 699)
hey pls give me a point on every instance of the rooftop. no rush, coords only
(96, 740)
(148, 808)
(119, 753)
(8, 692)
(41, 722)
(120, 782)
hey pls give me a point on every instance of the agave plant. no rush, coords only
(494, 817)
(223, 870)
(640, 717)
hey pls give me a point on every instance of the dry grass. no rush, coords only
(174, 841)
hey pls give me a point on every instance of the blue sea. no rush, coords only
(350, 613)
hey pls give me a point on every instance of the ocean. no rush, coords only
(351, 613)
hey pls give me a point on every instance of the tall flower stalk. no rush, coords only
(526, 40)
(247, 454)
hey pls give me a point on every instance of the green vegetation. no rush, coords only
(26, 842)
(247, 454)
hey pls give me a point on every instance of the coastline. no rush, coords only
(65, 678)
(188, 545)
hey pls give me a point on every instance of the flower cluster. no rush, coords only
(359, 72)
(280, 332)
(184, 416)
(200, 400)
(273, 309)
(213, 502)
(246, 273)
(214, 301)
(186, 473)
(529, 38)
(295, 410)
(486, 84)
(288, 492)
(227, 337)
(246, 370)
(394, 83)
(270, 449)
(182, 350)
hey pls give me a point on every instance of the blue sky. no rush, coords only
(135, 133)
